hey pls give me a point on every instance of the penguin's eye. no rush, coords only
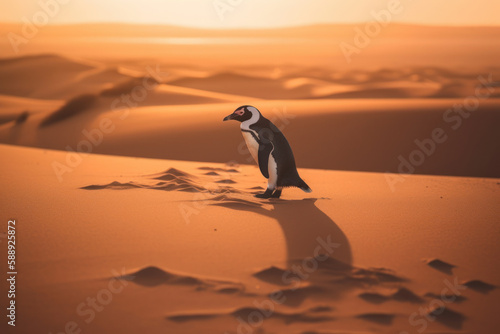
(239, 112)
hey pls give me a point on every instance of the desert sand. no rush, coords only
(134, 201)
(201, 249)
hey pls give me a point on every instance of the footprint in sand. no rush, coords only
(441, 266)
(401, 295)
(479, 286)
(294, 297)
(257, 188)
(331, 279)
(153, 276)
(226, 181)
(448, 317)
(379, 318)
(448, 297)
(217, 169)
(113, 185)
(312, 315)
(170, 180)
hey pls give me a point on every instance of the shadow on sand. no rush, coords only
(304, 226)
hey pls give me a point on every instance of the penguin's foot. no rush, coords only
(276, 193)
(267, 194)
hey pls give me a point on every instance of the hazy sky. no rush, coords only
(253, 13)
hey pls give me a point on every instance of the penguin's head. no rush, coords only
(242, 114)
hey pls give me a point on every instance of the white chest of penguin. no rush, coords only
(252, 144)
(253, 147)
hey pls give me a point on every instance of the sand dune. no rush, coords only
(245, 85)
(345, 111)
(357, 287)
(12, 107)
(351, 129)
(384, 83)
(52, 76)
(38, 76)
(194, 96)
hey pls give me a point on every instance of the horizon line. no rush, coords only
(17, 23)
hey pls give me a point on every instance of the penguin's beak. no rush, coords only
(228, 117)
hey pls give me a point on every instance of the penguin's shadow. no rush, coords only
(304, 225)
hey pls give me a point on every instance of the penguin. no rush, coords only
(270, 149)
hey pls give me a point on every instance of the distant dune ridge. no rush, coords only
(71, 108)
(344, 111)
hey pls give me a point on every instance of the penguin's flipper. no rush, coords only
(264, 152)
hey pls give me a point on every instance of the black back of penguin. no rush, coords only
(282, 153)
